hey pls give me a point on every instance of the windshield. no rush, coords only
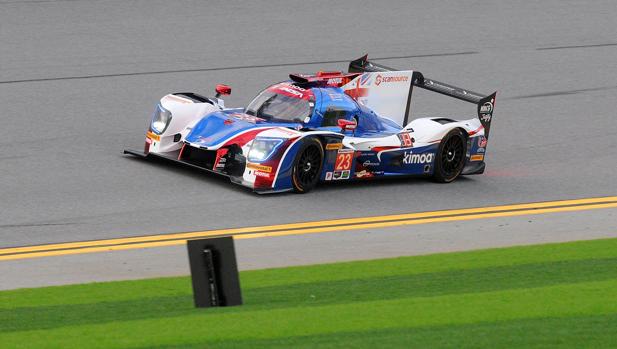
(282, 103)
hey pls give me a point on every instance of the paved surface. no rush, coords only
(78, 80)
(311, 249)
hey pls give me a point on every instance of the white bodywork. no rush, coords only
(185, 114)
(386, 93)
(425, 132)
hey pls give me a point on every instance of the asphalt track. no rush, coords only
(78, 80)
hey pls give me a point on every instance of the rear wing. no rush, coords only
(485, 103)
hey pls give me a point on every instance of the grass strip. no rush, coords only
(584, 299)
(319, 293)
(567, 332)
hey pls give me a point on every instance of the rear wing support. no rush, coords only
(485, 103)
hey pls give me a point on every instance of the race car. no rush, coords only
(327, 126)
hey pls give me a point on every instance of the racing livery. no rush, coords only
(328, 126)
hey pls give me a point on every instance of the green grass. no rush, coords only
(557, 295)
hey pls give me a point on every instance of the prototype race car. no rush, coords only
(330, 126)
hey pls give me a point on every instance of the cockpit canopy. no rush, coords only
(283, 102)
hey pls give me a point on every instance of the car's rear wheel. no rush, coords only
(450, 157)
(307, 165)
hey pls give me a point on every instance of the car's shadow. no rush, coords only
(380, 182)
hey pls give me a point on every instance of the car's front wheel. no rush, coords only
(450, 157)
(307, 165)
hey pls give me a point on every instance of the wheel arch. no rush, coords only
(282, 178)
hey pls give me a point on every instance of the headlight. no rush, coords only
(263, 148)
(160, 120)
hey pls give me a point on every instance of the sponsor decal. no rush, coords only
(384, 79)
(228, 122)
(368, 163)
(295, 87)
(409, 158)
(365, 80)
(334, 81)
(334, 146)
(406, 139)
(477, 157)
(486, 110)
(259, 167)
(328, 176)
(335, 96)
(341, 175)
(151, 135)
(262, 174)
(480, 150)
(221, 158)
(482, 142)
(289, 86)
(344, 158)
(364, 174)
(221, 163)
(246, 117)
(292, 91)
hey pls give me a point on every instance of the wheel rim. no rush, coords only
(307, 168)
(452, 156)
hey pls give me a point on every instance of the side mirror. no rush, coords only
(222, 90)
(347, 125)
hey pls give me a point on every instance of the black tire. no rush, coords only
(450, 157)
(307, 166)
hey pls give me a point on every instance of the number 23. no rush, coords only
(343, 162)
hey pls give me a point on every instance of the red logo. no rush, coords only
(379, 79)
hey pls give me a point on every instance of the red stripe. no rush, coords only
(244, 138)
(471, 133)
(378, 149)
(181, 150)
